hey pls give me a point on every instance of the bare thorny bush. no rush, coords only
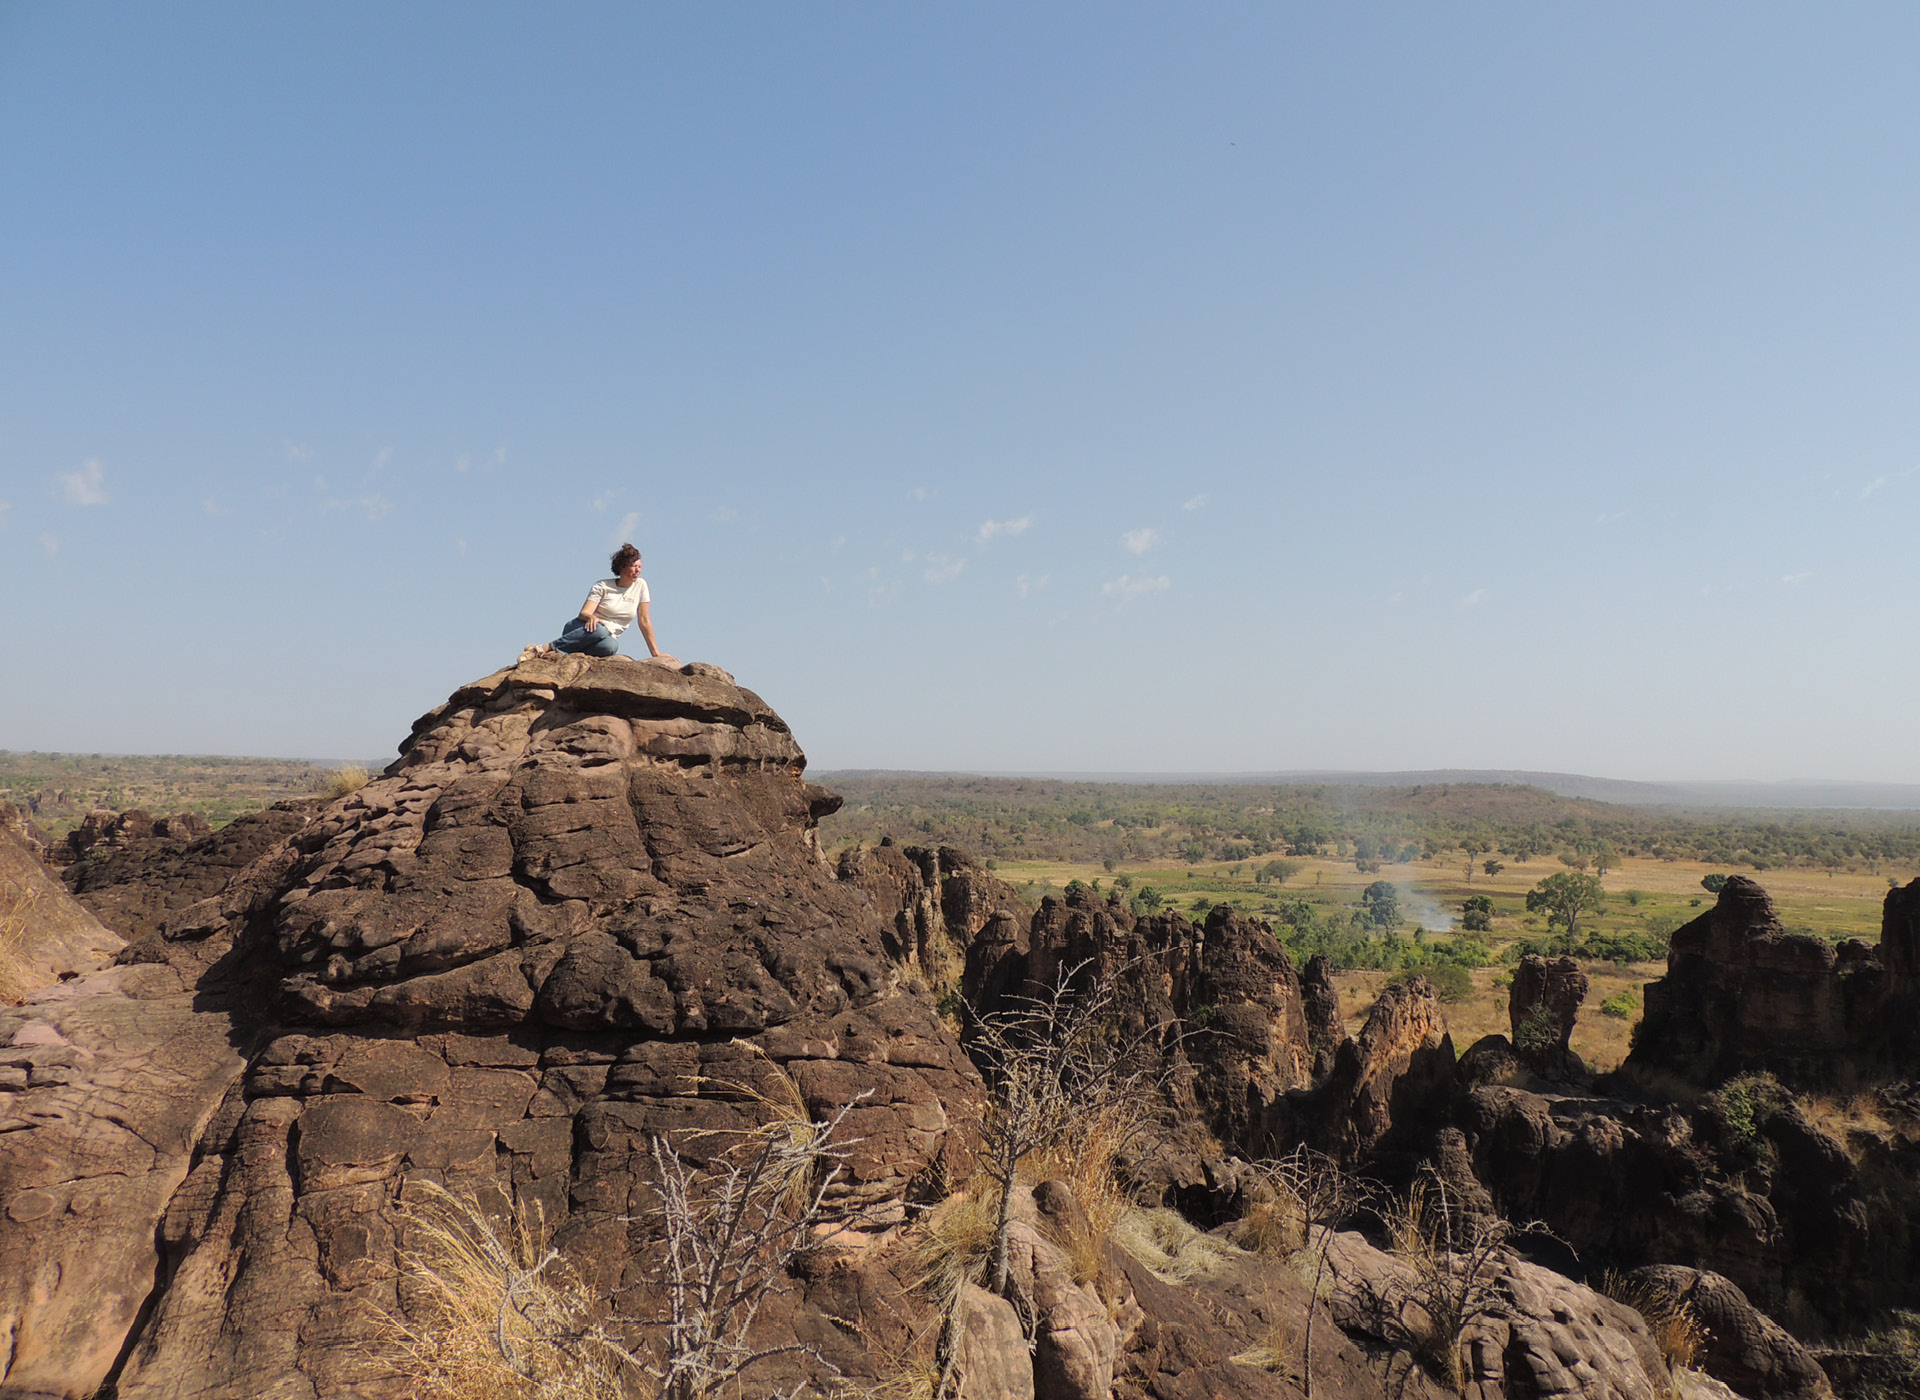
(1455, 1258)
(1068, 1094)
(1305, 1189)
(495, 1313)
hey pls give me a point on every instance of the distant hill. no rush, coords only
(1740, 796)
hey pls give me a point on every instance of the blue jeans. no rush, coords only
(577, 637)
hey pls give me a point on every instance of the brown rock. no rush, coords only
(56, 939)
(584, 907)
(1542, 1008)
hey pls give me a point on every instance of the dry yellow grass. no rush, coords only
(343, 781)
(493, 1314)
(16, 908)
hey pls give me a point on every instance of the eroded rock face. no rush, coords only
(1542, 1009)
(62, 941)
(1743, 994)
(134, 874)
(1396, 1075)
(584, 907)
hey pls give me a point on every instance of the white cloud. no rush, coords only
(1880, 481)
(919, 493)
(942, 569)
(50, 543)
(298, 451)
(1609, 519)
(1195, 502)
(1029, 585)
(629, 523)
(598, 505)
(84, 486)
(1126, 586)
(1474, 599)
(462, 462)
(1139, 541)
(838, 542)
(500, 455)
(1796, 578)
(373, 507)
(459, 546)
(5, 506)
(213, 507)
(381, 458)
(1005, 527)
(724, 515)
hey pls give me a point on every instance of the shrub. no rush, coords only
(1454, 1255)
(1714, 883)
(1882, 1365)
(1451, 982)
(1744, 1106)
(1621, 1004)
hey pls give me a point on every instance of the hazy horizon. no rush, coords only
(1011, 388)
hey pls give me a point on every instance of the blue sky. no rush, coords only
(1001, 387)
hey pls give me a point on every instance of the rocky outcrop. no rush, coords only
(935, 900)
(44, 936)
(1741, 993)
(133, 882)
(1326, 1028)
(1740, 1345)
(1396, 1076)
(586, 906)
(1542, 1008)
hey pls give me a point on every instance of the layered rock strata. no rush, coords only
(585, 907)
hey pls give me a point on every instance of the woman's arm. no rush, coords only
(644, 621)
(589, 611)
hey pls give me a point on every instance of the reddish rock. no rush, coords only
(585, 906)
(1397, 1073)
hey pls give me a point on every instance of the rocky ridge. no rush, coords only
(587, 906)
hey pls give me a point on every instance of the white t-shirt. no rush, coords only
(617, 606)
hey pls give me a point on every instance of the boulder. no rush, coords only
(1542, 1008)
(45, 937)
(585, 907)
(1742, 994)
(1740, 1345)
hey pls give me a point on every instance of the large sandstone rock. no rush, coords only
(1542, 1009)
(586, 906)
(1395, 1076)
(106, 1085)
(134, 875)
(44, 936)
(1743, 994)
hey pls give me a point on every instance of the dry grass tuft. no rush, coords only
(1172, 1248)
(958, 1243)
(16, 910)
(492, 1313)
(1276, 1348)
(1841, 1115)
(1676, 1331)
(343, 781)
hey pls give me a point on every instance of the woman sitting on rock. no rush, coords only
(613, 605)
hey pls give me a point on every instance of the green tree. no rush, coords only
(1492, 867)
(1564, 898)
(1476, 915)
(1382, 903)
(1713, 883)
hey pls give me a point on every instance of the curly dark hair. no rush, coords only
(624, 556)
